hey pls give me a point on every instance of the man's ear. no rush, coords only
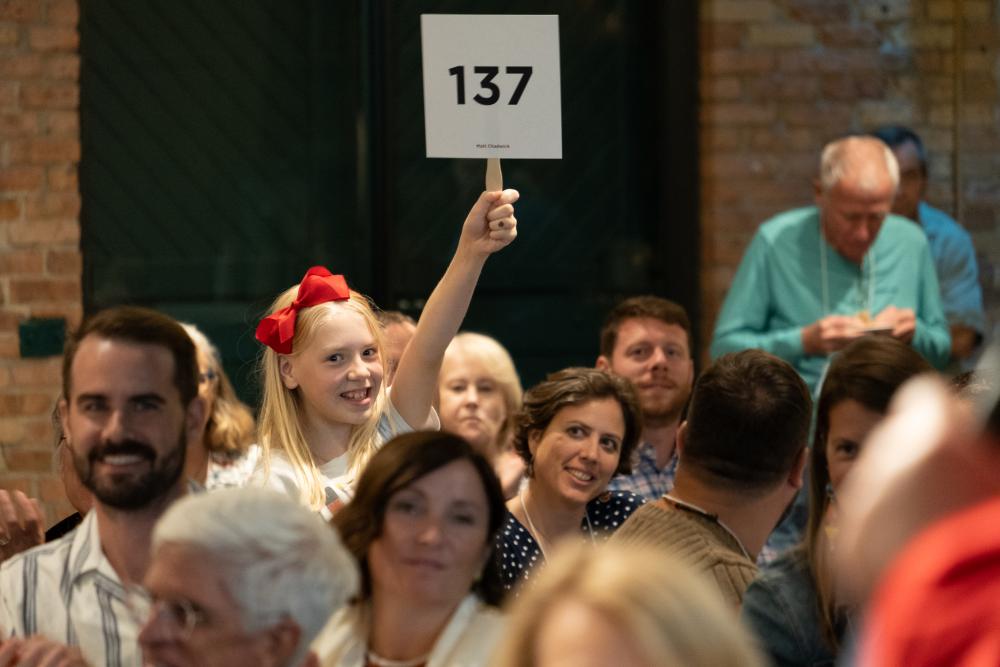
(63, 407)
(680, 439)
(798, 470)
(195, 419)
(818, 192)
(281, 641)
(287, 370)
(603, 364)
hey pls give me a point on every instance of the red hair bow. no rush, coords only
(318, 286)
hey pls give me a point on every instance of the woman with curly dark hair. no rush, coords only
(576, 430)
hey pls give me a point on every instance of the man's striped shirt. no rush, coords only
(67, 591)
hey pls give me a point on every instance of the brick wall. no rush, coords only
(40, 263)
(779, 78)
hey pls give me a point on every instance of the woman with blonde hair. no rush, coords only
(479, 396)
(623, 606)
(226, 455)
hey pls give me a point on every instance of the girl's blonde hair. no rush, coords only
(230, 427)
(281, 411)
(500, 366)
(656, 601)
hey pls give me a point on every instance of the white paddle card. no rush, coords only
(491, 85)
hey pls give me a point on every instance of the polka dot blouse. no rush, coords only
(519, 552)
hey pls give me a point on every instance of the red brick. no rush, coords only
(887, 10)
(21, 261)
(9, 34)
(738, 114)
(839, 35)
(50, 95)
(737, 10)
(782, 87)
(21, 66)
(63, 123)
(35, 372)
(30, 290)
(18, 124)
(24, 11)
(72, 312)
(28, 460)
(9, 96)
(10, 209)
(9, 348)
(45, 150)
(59, 262)
(39, 429)
(19, 483)
(721, 35)
(54, 38)
(25, 405)
(818, 11)
(43, 232)
(21, 178)
(9, 319)
(64, 12)
(11, 430)
(51, 490)
(738, 62)
(62, 177)
(58, 205)
(820, 114)
(780, 35)
(720, 88)
(60, 67)
(830, 60)
(854, 86)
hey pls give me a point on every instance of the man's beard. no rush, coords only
(129, 491)
(663, 412)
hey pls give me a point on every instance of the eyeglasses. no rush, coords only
(182, 615)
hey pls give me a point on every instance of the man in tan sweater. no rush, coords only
(742, 451)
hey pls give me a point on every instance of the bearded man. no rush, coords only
(647, 339)
(130, 409)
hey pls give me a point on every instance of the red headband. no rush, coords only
(318, 286)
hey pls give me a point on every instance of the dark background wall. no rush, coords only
(227, 146)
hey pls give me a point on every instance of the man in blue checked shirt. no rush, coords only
(647, 340)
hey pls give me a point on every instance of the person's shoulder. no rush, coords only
(55, 552)
(900, 231)
(788, 230)
(942, 228)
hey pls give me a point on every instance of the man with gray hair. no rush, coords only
(240, 576)
(816, 278)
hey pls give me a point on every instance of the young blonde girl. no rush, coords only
(325, 408)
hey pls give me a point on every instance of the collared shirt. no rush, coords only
(957, 270)
(67, 591)
(647, 481)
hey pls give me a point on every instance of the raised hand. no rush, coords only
(21, 522)
(490, 225)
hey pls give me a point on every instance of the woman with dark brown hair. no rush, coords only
(422, 526)
(576, 430)
(792, 606)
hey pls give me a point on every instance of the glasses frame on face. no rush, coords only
(183, 615)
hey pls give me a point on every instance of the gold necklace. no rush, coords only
(535, 532)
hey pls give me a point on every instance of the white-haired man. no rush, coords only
(815, 278)
(241, 577)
